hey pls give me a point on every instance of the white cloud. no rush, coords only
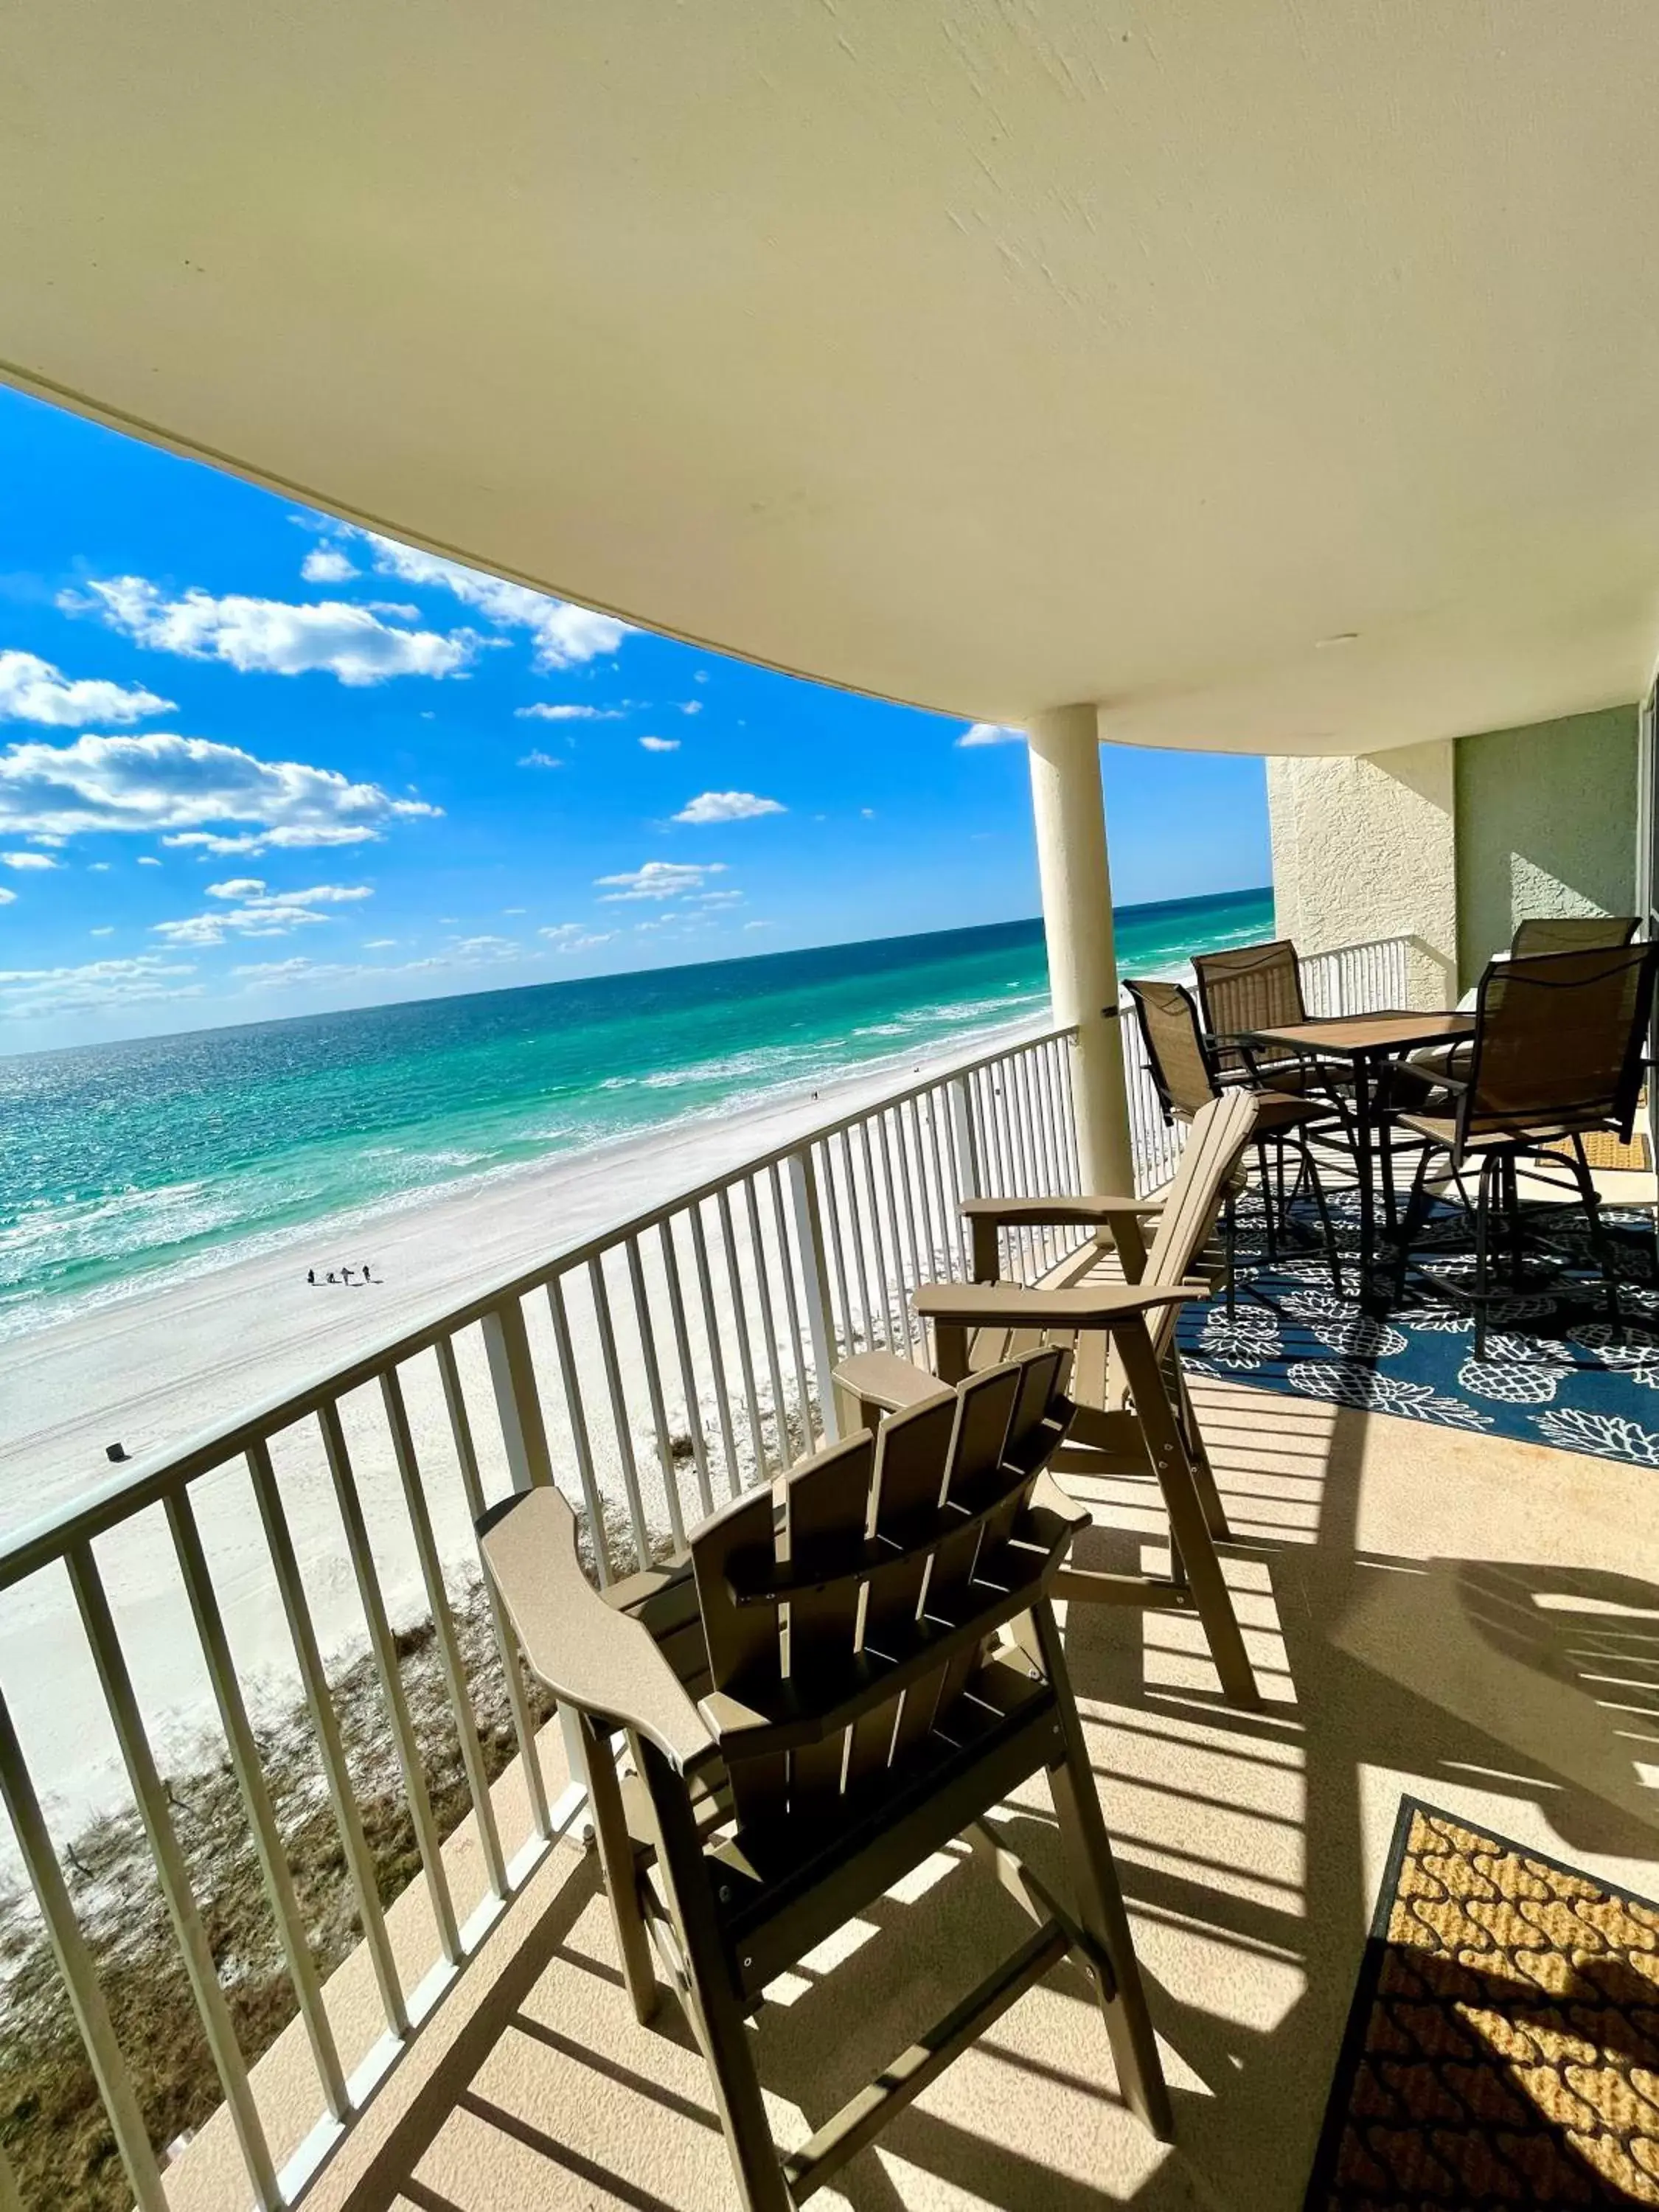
(6, 898)
(21, 860)
(564, 635)
(727, 806)
(866, 813)
(98, 867)
(109, 930)
(148, 860)
(270, 636)
(32, 690)
(659, 879)
(719, 898)
(326, 564)
(542, 712)
(485, 948)
(760, 925)
(990, 733)
(161, 782)
(660, 744)
(539, 759)
(691, 706)
(575, 937)
(252, 910)
(283, 975)
(379, 943)
(293, 838)
(100, 983)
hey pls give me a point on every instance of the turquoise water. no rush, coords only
(120, 1161)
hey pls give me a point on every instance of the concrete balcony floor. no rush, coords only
(1461, 1618)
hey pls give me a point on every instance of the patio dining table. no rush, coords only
(1363, 1045)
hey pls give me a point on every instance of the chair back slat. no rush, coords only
(913, 1455)
(826, 1506)
(1572, 933)
(744, 1655)
(1251, 986)
(1557, 1043)
(1173, 1037)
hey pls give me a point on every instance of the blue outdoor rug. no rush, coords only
(1553, 1374)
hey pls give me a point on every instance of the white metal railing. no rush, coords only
(653, 1371)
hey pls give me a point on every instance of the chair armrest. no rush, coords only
(1041, 1211)
(588, 1654)
(1019, 1305)
(887, 1381)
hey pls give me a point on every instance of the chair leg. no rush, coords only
(1267, 1204)
(1482, 1233)
(1317, 1186)
(1182, 1498)
(1100, 1908)
(620, 1869)
(1599, 1243)
(1416, 1211)
(1229, 1237)
(717, 2015)
(1209, 1497)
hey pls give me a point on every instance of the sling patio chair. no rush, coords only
(1184, 1077)
(1131, 1410)
(1566, 932)
(1558, 1052)
(855, 1665)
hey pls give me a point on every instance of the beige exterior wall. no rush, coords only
(1452, 843)
(1545, 825)
(1366, 848)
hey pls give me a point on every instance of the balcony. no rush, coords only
(339, 1939)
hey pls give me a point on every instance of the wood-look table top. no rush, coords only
(1354, 1035)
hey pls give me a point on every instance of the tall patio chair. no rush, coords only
(1185, 1081)
(1131, 1410)
(1572, 932)
(1558, 1052)
(1251, 986)
(856, 1664)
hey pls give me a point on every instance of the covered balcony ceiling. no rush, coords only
(1282, 377)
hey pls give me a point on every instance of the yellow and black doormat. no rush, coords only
(1503, 2045)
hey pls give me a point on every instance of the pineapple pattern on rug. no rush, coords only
(1553, 1373)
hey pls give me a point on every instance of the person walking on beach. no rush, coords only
(365, 1271)
(311, 1275)
(332, 1277)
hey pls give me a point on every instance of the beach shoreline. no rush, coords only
(165, 1364)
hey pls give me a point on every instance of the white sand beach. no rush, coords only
(173, 1363)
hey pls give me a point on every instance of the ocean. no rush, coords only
(169, 1155)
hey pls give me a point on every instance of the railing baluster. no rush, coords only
(69, 1946)
(256, 1797)
(805, 1198)
(320, 1702)
(740, 1322)
(506, 1644)
(877, 1241)
(571, 1384)
(653, 1388)
(716, 1355)
(792, 1304)
(683, 1353)
(391, 1679)
(151, 1795)
(613, 1384)
(855, 1222)
(768, 1319)
(830, 1224)
(906, 1192)
(443, 1622)
(518, 1402)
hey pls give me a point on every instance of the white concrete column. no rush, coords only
(1070, 814)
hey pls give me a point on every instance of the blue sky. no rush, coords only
(254, 763)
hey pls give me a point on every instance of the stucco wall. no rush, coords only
(1545, 825)
(1366, 848)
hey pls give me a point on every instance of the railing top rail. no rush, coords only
(40, 1542)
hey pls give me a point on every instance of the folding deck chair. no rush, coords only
(855, 1666)
(1131, 1408)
